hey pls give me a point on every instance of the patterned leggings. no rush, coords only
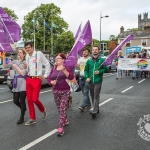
(61, 99)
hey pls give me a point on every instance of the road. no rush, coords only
(123, 103)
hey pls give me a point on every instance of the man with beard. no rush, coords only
(82, 81)
(94, 76)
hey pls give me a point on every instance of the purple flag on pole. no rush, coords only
(4, 43)
(78, 32)
(12, 29)
(84, 38)
(109, 59)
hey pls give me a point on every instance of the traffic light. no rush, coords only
(105, 46)
(102, 47)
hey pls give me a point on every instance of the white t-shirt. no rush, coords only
(82, 62)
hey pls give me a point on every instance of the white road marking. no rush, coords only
(105, 102)
(127, 89)
(12, 99)
(141, 81)
(109, 75)
(6, 101)
(51, 133)
(2, 88)
(38, 140)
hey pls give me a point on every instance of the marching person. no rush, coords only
(94, 76)
(19, 84)
(119, 70)
(35, 60)
(82, 81)
(61, 89)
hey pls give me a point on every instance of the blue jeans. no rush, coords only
(85, 90)
(133, 73)
(119, 71)
(137, 73)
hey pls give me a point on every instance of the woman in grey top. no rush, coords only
(19, 83)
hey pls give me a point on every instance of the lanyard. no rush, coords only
(36, 69)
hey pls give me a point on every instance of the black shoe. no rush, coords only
(21, 120)
(81, 108)
(132, 77)
(93, 115)
(125, 74)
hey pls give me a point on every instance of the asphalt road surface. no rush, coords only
(124, 104)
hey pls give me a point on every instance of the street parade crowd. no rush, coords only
(28, 78)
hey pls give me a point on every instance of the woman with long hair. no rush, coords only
(19, 83)
(61, 90)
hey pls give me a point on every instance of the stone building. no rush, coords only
(141, 34)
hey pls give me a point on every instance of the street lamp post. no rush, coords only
(100, 27)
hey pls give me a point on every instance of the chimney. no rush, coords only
(121, 29)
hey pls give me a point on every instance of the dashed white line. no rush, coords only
(2, 88)
(141, 81)
(105, 102)
(127, 89)
(38, 140)
(6, 101)
(12, 99)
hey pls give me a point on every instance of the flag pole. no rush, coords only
(44, 36)
(51, 39)
(34, 30)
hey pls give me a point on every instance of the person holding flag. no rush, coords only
(93, 73)
(19, 83)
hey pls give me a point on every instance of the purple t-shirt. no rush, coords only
(61, 83)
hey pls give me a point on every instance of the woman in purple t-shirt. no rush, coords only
(61, 90)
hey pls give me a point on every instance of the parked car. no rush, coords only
(111, 67)
(3, 74)
(10, 78)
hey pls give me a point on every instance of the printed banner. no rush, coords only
(134, 64)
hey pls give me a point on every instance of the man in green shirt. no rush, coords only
(93, 73)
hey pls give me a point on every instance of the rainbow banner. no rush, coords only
(134, 64)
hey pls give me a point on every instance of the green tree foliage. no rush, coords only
(113, 38)
(64, 42)
(51, 13)
(11, 13)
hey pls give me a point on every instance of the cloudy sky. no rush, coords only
(121, 13)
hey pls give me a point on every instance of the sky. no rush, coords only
(121, 13)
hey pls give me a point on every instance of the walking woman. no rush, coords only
(19, 83)
(61, 90)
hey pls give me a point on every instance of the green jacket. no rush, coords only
(93, 65)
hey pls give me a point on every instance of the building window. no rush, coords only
(144, 42)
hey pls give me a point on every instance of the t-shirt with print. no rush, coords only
(82, 61)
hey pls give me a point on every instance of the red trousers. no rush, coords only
(33, 87)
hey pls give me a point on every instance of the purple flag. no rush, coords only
(5, 47)
(12, 29)
(78, 32)
(84, 38)
(4, 43)
(109, 59)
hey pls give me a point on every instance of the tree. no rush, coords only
(64, 42)
(11, 13)
(51, 13)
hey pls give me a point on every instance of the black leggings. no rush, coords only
(19, 99)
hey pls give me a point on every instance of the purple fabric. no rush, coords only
(4, 42)
(15, 80)
(12, 29)
(61, 84)
(109, 60)
(78, 32)
(84, 38)
(5, 47)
